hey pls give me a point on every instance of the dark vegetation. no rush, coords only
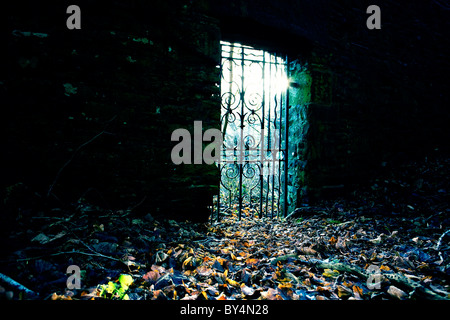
(398, 223)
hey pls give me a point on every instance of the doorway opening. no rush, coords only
(254, 92)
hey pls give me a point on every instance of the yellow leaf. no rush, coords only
(286, 285)
(233, 283)
(330, 273)
(348, 284)
(385, 268)
(186, 261)
(343, 292)
(125, 280)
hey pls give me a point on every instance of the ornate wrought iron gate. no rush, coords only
(253, 157)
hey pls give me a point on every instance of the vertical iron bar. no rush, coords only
(286, 143)
(280, 160)
(269, 145)
(261, 148)
(241, 142)
(218, 197)
(274, 146)
(220, 154)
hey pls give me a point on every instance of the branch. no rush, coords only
(73, 156)
(443, 6)
(95, 254)
(17, 285)
(440, 239)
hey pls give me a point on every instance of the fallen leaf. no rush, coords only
(186, 262)
(330, 273)
(151, 276)
(204, 271)
(397, 293)
(232, 282)
(358, 292)
(41, 238)
(307, 251)
(222, 297)
(247, 290)
(285, 286)
(344, 292)
(251, 262)
(270, 294)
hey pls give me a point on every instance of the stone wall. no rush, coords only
(90, 112)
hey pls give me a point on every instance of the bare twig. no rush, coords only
(444, 5)
(16, 285)
(73, 156)
(95, 254)
(440, 239)
(138, 204)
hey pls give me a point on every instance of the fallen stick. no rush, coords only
(13, 283)
(95, 254)
(440, 239)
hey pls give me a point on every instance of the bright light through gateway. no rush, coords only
(253, 109)
(261, 70)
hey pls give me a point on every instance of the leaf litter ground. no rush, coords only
(390, 241)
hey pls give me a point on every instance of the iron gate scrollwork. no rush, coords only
(253, 155)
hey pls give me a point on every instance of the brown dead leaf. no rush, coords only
(270, 294)
(251, 262)
(151, 276)
(204, 271)
(222, 297)
(340, 244)
(307, 251)
(160, 269)
(332, 241)
(357, 292)
(322, 289)
(344, 292)
(60, 297)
